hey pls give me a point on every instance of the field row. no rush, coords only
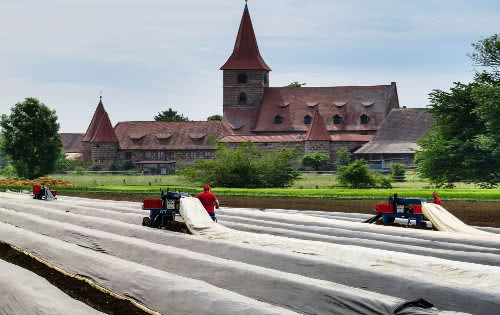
(290, 262)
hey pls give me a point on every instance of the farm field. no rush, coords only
(307, 181)
(259, 262)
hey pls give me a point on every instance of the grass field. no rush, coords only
(309, 186)
(308, 181)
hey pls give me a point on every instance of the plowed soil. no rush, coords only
(472, 213)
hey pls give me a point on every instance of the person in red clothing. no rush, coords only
(436, 198)
(207, 200)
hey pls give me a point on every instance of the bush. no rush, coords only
(357, 175)
(398, 172)
(114, 166)
(80, 170)
(316, 161)
(344, 157)
(128, 165)
(382, 181)
(246, 167)
(8, 171)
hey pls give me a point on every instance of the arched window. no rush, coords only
(242, 78)
(242, 100)
(363, 119)
(278, 120)
(337, 120)
(307, 120)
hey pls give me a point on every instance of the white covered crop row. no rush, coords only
(315, 266)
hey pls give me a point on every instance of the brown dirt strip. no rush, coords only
(75, 288)
(472, 213)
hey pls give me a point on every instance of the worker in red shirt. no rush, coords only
(207, 200)
(436, 198)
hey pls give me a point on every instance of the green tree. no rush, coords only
(170, 115)
(398, 171)
(246, 167)
(316, 161)
(296, 84)
(215, 118)
(463, 145)
(344, 156)
(356, 175)
(31, 138)
(62, 164)
(4, 159)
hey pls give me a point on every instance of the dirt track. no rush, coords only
(472, 213)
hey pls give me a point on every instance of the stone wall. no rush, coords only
(103, 154)
(318, 146)
(270, 146)
(254, 88)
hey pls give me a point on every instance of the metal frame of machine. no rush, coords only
(38, 194)
(165, 211)
(408, 208)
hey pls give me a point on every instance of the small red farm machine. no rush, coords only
(43, 193)
(164, 213)
(407, 208)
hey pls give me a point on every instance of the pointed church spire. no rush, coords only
(100, 128)
(246, 54)
(317, 131)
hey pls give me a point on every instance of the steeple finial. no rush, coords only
(100, 97)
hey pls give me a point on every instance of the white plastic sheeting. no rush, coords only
(444, 221)
(23, 292)
(233, 253)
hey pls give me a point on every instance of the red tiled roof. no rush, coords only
(317, 131)
(239, 121)
(246, 54)
(100, 128)
(345, 101)
(352, 137)
(72, 142)
(151, 135)
(257, 139)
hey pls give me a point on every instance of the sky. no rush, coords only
(145, 56)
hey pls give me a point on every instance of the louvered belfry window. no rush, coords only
(242, 100)
(278, 120)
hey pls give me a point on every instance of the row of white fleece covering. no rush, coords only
(23, 292)
(304, 294)
(278, 258)
(161, 291)
(443, 220)
(393, 282)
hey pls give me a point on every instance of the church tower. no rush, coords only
(246, 74)
(100, 144)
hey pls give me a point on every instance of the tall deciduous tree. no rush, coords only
(170, 115)
(215, 118)
(464, 143)
(31, 138)
(296, 84)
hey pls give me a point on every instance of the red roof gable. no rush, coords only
(165, 135)
(246, 55)
(348, 102)
(100, 128)
(317, 131)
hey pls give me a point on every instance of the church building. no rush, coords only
(317, 119)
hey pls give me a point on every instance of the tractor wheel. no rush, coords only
(390, 220)
(146, 221)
